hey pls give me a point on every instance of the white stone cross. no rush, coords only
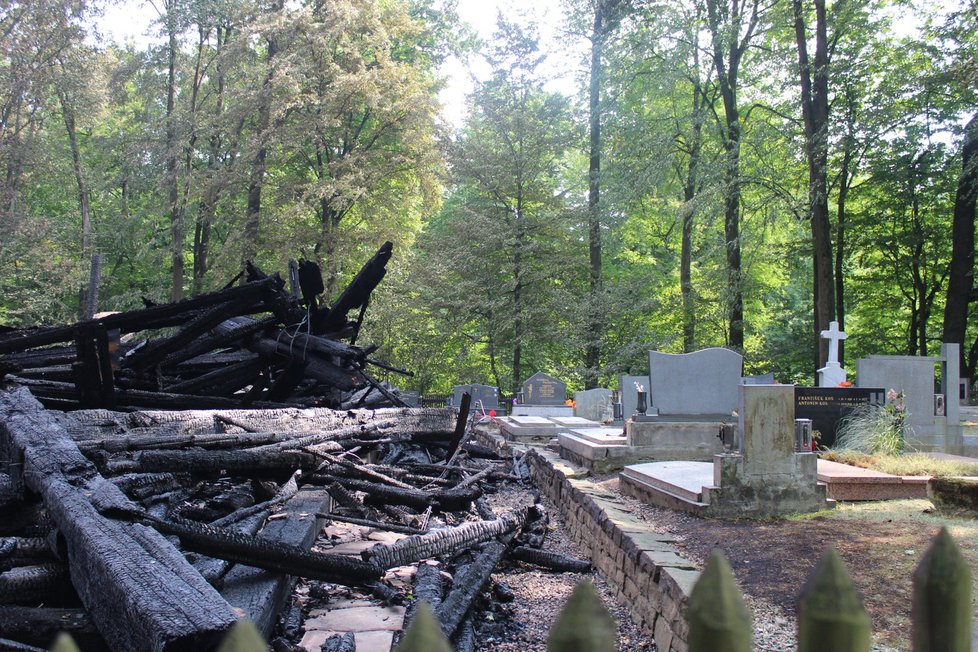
(834, 336)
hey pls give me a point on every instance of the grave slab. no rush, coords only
(765, 476)
(846, 482)
(575, 422)
(523, 427)
(606, 435)
(681, 478)
(543, 410)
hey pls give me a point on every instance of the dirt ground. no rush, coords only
(880, 542)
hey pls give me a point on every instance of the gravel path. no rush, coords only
(523, 624)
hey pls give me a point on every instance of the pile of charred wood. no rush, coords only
(256, 344)
(157, 530)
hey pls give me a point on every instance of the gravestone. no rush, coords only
(911, 375)
(832, 374)
(484, 397)
(759, 379)
(541, 389)
(593, 404)
(765, 476)
(827, 406)
(701, 382)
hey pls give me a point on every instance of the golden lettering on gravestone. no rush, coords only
(547, 390)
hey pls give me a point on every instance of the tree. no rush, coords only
(959, 36)
(815, 111)
(732, 26)
(508, 161)
(358, 126)
(606, 16)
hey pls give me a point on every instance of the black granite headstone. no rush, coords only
(541, 389)
(826, 406)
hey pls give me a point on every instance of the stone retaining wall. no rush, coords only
(647, 573)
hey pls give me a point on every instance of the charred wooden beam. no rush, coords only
(439, 542)
(65, 394)
(549, 560)
(133, 321)
(277, 557)
(448, 501)
(223, 380)
(154, 352)
(30, 585)
(198, 461)
(259, 592)
(41, 625)
(468, 585)
(356, 294)
(377, 525)
(116, 567)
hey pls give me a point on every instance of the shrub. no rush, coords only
(875, 428)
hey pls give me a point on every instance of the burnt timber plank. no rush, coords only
(170, 314)
(139, 590)
(261, 594)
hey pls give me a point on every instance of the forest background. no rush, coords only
(728, 173)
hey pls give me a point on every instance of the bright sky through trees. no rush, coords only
(131, 20)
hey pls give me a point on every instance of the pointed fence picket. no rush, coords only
(831, 615)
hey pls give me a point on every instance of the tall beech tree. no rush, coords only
(814, 75)
(732, 27)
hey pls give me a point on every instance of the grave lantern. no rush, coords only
(618, 412)
(728, 437)
(803, 435)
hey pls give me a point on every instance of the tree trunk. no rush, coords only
(252, 228)
(961, 280)
(518, 305)
(730, 39)
(84, 201)
(177, 228)
(688, 211)
(815, 110)
(592, 351)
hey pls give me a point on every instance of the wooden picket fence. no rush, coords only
(831, 616)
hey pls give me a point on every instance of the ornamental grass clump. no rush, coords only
(875, 428)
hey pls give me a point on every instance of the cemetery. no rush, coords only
(640, 479)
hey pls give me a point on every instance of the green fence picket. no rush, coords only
(243, 637)
(719, 620)
(942, 599)
(831, 616)
(424, 634)
(584, 624)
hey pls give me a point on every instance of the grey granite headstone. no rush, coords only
(629, 395)
(483, 396)
(912, 375)
(759, 379)
(701, 382)
(593, 404)
(541, 389)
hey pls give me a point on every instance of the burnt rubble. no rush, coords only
(255, 344)
(139, 528)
